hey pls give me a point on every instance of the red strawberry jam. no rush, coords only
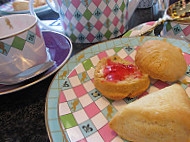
(118, 72)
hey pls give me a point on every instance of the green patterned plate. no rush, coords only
(76, 111)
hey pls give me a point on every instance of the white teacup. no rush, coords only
(87, 21)
(21, 44)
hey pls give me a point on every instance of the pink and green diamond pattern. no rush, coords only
(20, 40)
(178, 29)
(93, 20)
(84, 112)
(76, 110)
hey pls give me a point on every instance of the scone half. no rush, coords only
(161, 60)
(132, 85)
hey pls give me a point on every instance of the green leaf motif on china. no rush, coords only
(87, 64)
(87, 14)
(73, 37)
(18, 43)
(68, 121)
(168, 26)
(122, 6)
(127, 34)
(108, 34)
(117, 49)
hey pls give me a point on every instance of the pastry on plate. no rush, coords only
(161, 60)
(21, 5)
(117, 78)
(161, 116)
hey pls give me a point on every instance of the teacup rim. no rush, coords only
(20, 31)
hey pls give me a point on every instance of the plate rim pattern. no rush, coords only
(53, 125)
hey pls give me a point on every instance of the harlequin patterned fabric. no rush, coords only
(83, 112)
(93, 20)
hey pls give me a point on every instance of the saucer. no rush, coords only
(75, 110)
(140, 29)
(59, 48)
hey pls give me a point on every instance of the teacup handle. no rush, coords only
(132, 6)
(32, 12)
(50, 5)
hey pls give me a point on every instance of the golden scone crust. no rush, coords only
(161, 60)
(161, 116)
(21, 5)
(130, 87)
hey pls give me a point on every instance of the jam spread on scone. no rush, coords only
(118, 72)
(117, 78)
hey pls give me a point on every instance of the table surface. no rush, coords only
(22, 113)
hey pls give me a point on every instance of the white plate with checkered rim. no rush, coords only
(76, 111)
(7, 8)
(134, 32)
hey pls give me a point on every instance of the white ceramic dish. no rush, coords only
(76, 111)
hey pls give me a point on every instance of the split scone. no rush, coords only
(161, 116)
(117, 78)
(21, 5)
(161, 60)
